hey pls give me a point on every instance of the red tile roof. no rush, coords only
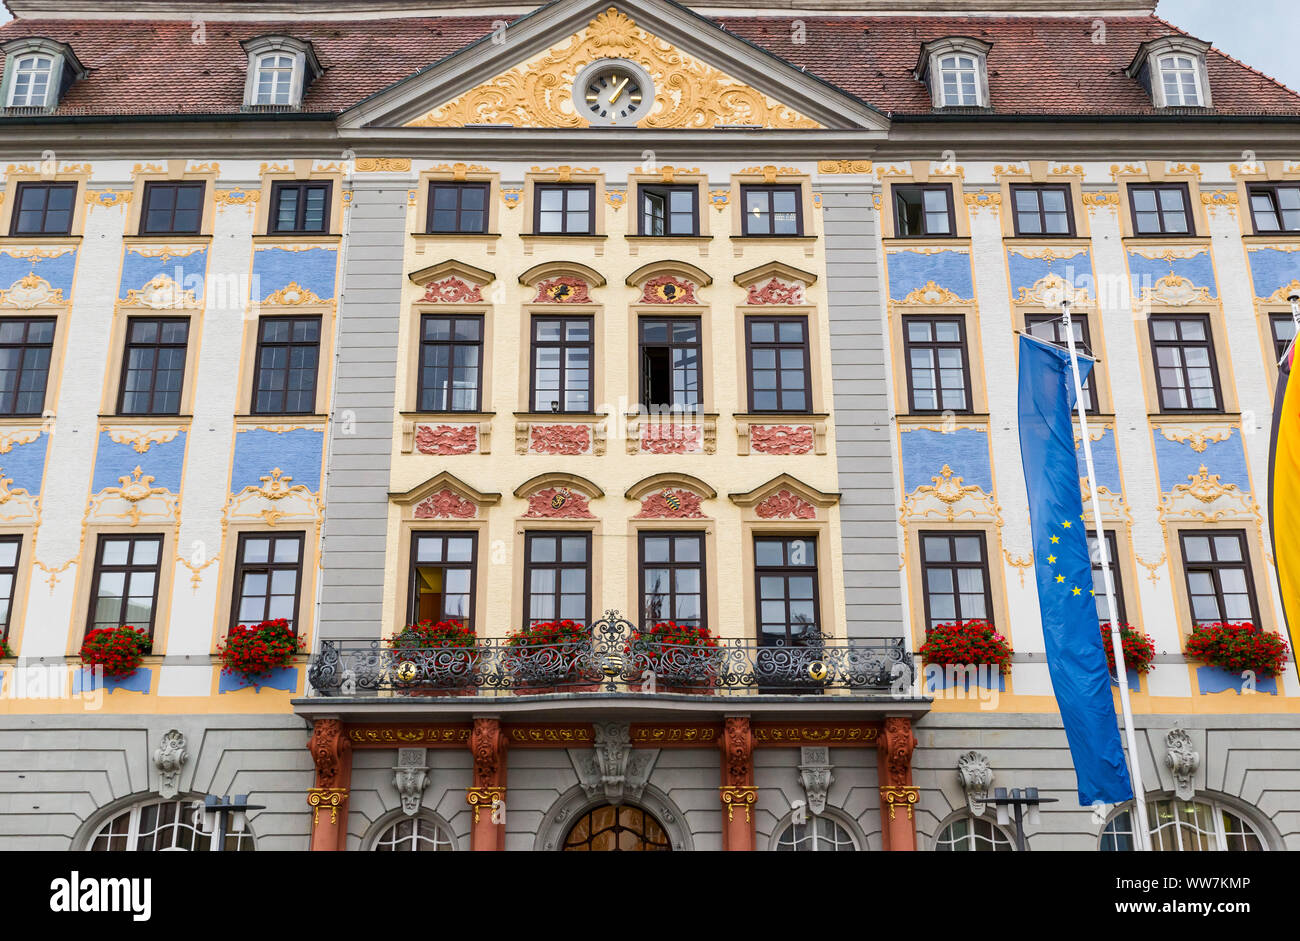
(1038, 65)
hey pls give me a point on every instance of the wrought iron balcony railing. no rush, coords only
(611, 658)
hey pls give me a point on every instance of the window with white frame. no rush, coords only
(1173, 71)
(973, 834)
(818, 834)
(419, 834)
(1180, 78)
(1179, 826)
(956, 71)
(166, 825)
(274, 80)
(279, 70)
(37, 71)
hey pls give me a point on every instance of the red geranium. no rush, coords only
(119, 650)
(253, 650)
(669, 632)
(967, 642)
(548, 634)
(1238, 648)
(5, 650)
(433, 634)
(1139, 648)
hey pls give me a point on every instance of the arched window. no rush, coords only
(820, 834)
(33, 75)
(274, 80)
(165, 825)
(1185, 826)
(616, 829)
(960, 78)
(973, 834)
(422, 834)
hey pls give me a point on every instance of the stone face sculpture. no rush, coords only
(1183, 760)
(817, 775)
(613, 768)
(169, 758)
(411, 778)
(975, 773)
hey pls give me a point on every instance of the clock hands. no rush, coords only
(619, 90)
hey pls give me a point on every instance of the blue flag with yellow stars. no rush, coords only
(1076, 659)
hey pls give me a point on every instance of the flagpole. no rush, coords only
(1143, 834)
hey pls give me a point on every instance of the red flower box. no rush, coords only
(1139, 648)
(1238, 648)
(544, 655)
(684, 659)
(5, 650)
(441, 653)
(967, 642)
(119, 650)
(255, 650)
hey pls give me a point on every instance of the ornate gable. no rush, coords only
(686, 91)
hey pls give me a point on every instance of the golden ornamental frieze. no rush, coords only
(688, 93)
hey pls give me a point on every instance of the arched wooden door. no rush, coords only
(616, 829)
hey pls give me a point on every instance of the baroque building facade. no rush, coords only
(369, 314)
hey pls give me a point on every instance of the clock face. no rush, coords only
(613, 93)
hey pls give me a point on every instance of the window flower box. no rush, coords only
(254, 651)
(119, 650)
(434, 658)
(683, 659)
(974, 642)
(549, 657)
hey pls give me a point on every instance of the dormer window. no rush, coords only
(956, 72)
(1172, 70)
(279, 70)
(37, 72)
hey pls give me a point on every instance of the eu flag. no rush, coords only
(1076, 659)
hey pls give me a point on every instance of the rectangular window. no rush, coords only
(1219, 583)
(955, 575)
(1048, 327)
(300, 208)
(153, 369)
(923, 211)
(672, 579)
(777, 349)
(562, 364)
(785, 577)
(26, 346)
(10, 546)
(669, 210)
(670, 362)
(43, 209)
(268, 574)
(443, 574)
(451, 356)
(1161, 209)
(1186, 372)
(288, 353)
(124, 584)
(1099, 578)
(457, 208)
(1043, 209)
(1283, 327)
(772, 210)
(1275, 207)
(557, 577)
(938, 377)
(172, 209)
(563, 209)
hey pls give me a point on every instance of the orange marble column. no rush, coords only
(738, 793)
(332, 754)
(898, 796)
(486, 797)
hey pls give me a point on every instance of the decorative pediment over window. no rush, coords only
(1172, 69)
(775, 283)
(671, 496)
(37, 72)
(558, 496)
(669, 282)
(785, 498)
(955, 69)
(452, 282)
(562, 282)
(446, 497)
(279, 70)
